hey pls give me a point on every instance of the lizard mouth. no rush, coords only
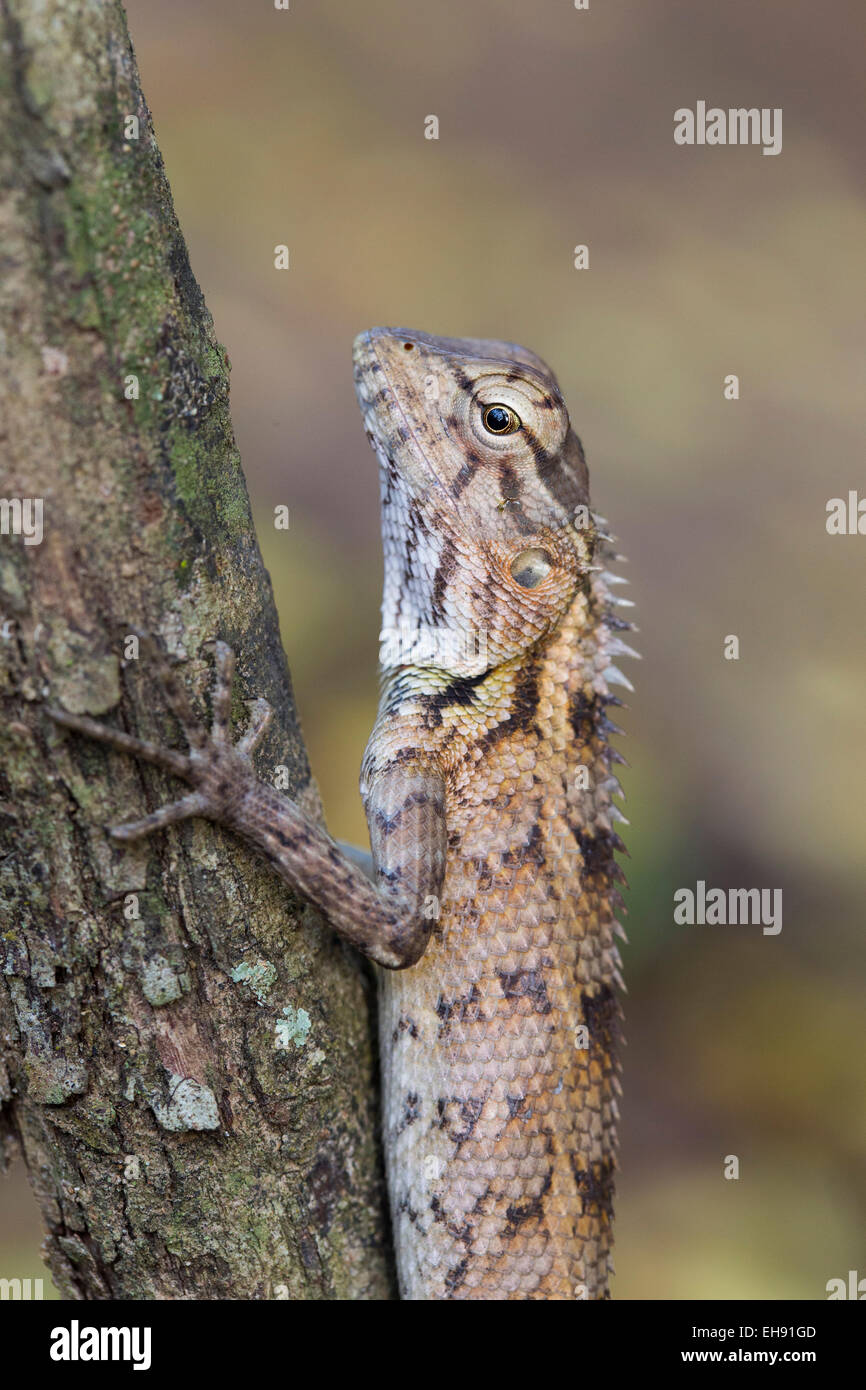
(392, 367)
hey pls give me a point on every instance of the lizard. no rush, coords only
(489, 901)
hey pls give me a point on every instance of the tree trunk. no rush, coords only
(186, 1058)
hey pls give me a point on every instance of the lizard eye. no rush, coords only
(500, 419)
(530, 567)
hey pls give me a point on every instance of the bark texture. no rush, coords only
(186, 1059)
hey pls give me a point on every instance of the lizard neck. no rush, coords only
(559, 688)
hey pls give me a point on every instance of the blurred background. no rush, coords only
(306, 127)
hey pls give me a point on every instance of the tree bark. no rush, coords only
(187, 1061)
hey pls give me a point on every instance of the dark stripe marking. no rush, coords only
(464, 1009)
(595, 1185)
(526, 984)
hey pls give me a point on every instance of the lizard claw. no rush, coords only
(167, 758)
(193, 805)
(222, 695)
(212, 765)
(261, 715)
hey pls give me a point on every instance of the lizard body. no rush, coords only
(487, 784)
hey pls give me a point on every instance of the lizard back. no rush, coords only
(499, 1047)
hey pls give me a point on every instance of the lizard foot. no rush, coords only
(216, 769)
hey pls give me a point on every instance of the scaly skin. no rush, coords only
(487, 785)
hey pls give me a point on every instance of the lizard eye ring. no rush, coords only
(500, 419)
(531, 567)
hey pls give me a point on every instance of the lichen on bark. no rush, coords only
(181, 1142)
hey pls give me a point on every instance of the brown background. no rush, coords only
(556, 127)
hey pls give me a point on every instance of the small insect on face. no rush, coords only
(481, 470)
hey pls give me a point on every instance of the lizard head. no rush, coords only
(486, 525)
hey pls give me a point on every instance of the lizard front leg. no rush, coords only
(387, 918)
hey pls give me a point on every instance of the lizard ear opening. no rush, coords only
(531, 567)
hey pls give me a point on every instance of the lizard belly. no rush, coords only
(499, 1069)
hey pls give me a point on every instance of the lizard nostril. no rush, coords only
(408, 346)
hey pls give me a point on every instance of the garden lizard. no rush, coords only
(490, 899)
